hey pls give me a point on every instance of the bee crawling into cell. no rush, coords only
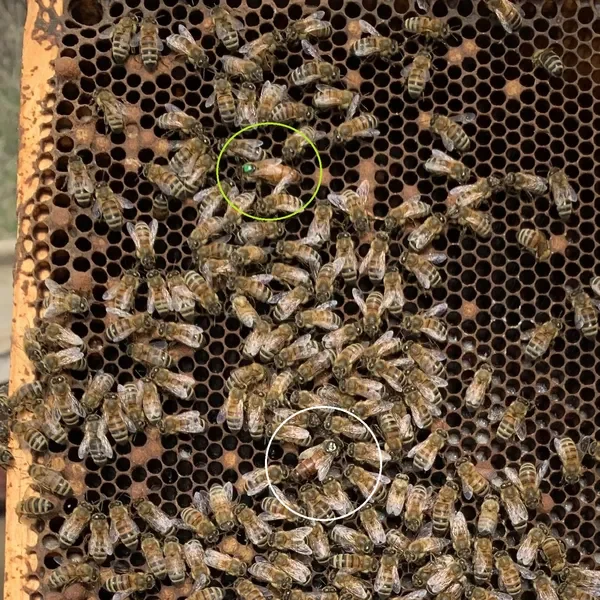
(450, 130)
(375, 45)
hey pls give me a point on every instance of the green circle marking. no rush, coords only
(254, 126)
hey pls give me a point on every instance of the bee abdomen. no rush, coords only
(415, 83)
(549, 60)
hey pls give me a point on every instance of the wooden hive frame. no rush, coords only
(39, 53)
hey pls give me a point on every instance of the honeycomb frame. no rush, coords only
(525, 120)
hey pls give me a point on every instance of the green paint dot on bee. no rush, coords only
(248, 168)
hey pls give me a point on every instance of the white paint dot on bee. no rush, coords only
(276, 493)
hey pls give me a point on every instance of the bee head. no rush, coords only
(83, 305)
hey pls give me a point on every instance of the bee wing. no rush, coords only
(467, 490)
(84, 447)
(352, 108)
(363, 190)
(125, 204)
(181, 384)
(436, 258)
(153, 231)
(416, 448)
(310, 49)
(133, 234)
(112, 291)
(367, 28)
(192, 422)
(516, 510)
(513, 477)
(525, 573)
(69, 356)
(467, 117)
(324, 466)
(458, 526)
(103, 439)
(527, 550)
(299, 534)
(181, 297)
(541, 472)
(436, 311)
(367, 259)
(107, 34)
(338, 201)
(448, 143)
(521, 431)
(405, 73)
(423, 5)
(359, 299)
(500, 595)
(367, 133)
(415, 595)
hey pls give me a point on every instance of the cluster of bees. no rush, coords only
(382, 367)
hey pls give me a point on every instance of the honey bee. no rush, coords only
(205, 229)
(415, 77)
(100, 546)
(31, 435)
(586, 312)
(275, 341)
(351, 540)
(224, 562)
(473, 482)
(97, 389)
(328, 394)
(553, 552)
(291, 276)
(428, 388)
(287, 303)
(290, 434)
(209, 593)
(509, 574)
(254, 286)
(319, 543)
(488, 516)
(226, 27)
(510, 15)
(75, 523)
(363, 387)
(223, 97)
(131, 403)
(256, 481)
(544, 587)
(418, 499)
(346, 359)
(6, 458)
(354, 563)
(53, 362)
(189, 152)
(144, 236)
(536, 242)
(409, 211)
(196, 520)
(247, 376)
(314, 366)
(422, 546)
(371, 522)
(513, 420)
(123, 291)
(570, 458)
(363, 126)
(529, 546)
(160, 207)
(531, 184)
(442, 164)
(149, 42)
(397, 495)
(375, 45)
(257, 531)
(347, 334)
(374, 261)
(79, 183)
(130, 582)
(563, 194)
(194, 557)
(281, 203)
(276, 511)
(243, 68)
(177, 384)
(336, 496)
(311, 27)
(176, 120)
(483, 559)
(367, 482)
(345, 249)
(316, 70)
(247, 590)
(25, 394)
(262, 49)
(478, 387)
(95, 443)
(203, 292)
(449, 129)
(427, 322)
(183, 43)
(425, 453)
(154, 556)
(247, 150)
(321, 317)
(271, 171)
(117, 421)
(271, 96)
(34, 507)
(351, 585)
(388, 372)
(184, 303)
(123, 527)
(528, 480)
(271, 574)
(541, 338)
(60, 301)
(232, 410)
(461, 538)
(422, 267)
(244, 311)
(445, 576)
(127, 325)
(246, 108)
(474, 194)
(316, 461)
(314, 503)
(372, 310)
(67, 405)
(443, 507)
(422, 574)
(430, 27)
(121, 36)
(327, 97)
(319, 230)
(477, 222)
(295, 145)
(346, 427)
(150, 401)
(73, 572)
(429, 360)
(568, 590)
(112, 109)
(188, 421)
(549, 60)
(585, 579)
(292, 112)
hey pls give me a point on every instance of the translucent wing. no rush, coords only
(467, 117)
(367, 28)
(541, 471)
(363, 190)
(69, 356)
(310, 49)
(153, 231)
(448, 143)
(436, 311)
(338, 201)
(324, 466)
(512, 476)
(355, 102)
(359, 299)
(528, 549)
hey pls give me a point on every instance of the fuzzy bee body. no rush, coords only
(549, 60)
